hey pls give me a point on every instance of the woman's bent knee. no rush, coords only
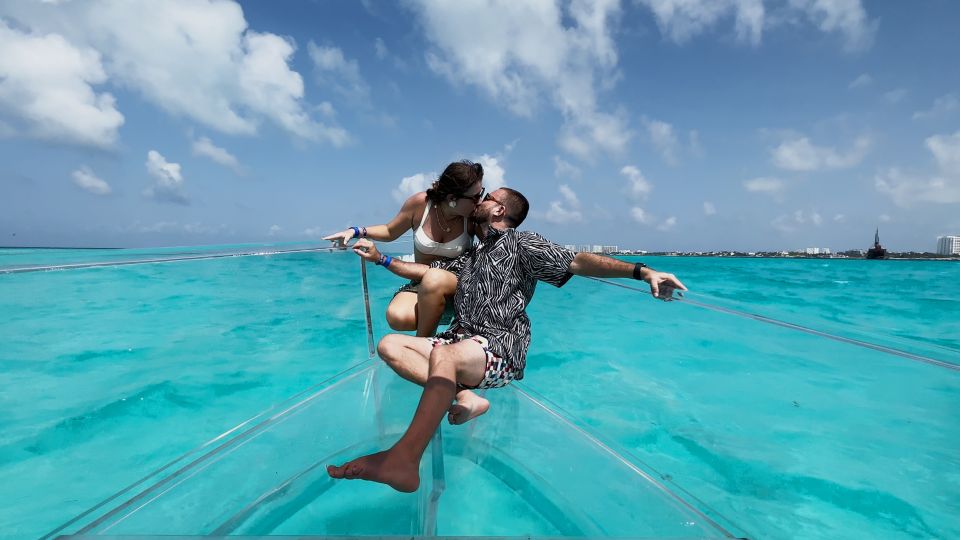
(437, 280)
(402, 318)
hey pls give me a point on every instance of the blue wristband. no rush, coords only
(356, 231)
(387, 260)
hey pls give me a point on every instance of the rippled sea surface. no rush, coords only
(108, 373)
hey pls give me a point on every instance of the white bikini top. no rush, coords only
(426, 245)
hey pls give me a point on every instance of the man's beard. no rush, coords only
(477, 217)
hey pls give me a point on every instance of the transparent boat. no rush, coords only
(526, 470)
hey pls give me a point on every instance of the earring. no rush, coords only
(453, 204)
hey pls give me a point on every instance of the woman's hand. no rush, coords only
(367, 250)
(341, 238)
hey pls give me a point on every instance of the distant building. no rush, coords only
(948, 245)
(817, 251)
(596, 249)
(606, 250)
(571, 247)
(583, 248)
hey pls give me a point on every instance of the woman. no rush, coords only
(439, 217)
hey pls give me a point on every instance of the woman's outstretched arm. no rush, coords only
(401, 223)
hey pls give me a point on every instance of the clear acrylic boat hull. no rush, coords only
(521, 470)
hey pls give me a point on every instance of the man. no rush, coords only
(487, 343)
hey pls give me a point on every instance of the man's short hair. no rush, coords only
(517, 206)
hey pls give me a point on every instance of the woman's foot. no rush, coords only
(383, 467)
(467, 407)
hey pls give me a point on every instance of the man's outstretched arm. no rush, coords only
(589, 264)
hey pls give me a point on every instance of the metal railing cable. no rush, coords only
(800, 328)
(77, 266)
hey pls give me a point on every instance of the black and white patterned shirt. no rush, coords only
(496, 280)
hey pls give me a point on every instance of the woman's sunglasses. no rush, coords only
(475, 198)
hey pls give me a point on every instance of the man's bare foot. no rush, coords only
(467, 407)
(384, 467)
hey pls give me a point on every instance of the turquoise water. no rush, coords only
(108, 373)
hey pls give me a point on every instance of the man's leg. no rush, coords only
(435, 287)
(409, 356)
(399, 466)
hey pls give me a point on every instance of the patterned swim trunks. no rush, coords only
(498, 372)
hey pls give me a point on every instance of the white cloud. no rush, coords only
(667, 224)
(89, 182)
(522, 53)
(493, 173)
(564, 169)
(339, 73)
(694, 140)
(663, 138)
(315, 232)
(791, 222)
(767, 185)
(895, 96)
(196, 59)
(863, 80)
(783, 224)
(641, 216)
(326, 109)
(639, 187)
(274, 230)
(566, 211)
(413, 184)
(46, 87)
(944, 187)
(205, 147)
(380, 48)
(195, 228)
(167, 179)
(942, 106)
(799, 154)
(846, 17)
(884, 218)
(815, 218)
(709, 209)
(682, 20)
(839, 218)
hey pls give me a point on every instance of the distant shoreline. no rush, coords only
(815, 257)
(714, 255)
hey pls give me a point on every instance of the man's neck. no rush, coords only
(484, 228)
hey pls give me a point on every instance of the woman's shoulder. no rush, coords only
(417, 200)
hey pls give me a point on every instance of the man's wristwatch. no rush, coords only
(638, 270)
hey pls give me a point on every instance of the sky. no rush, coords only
(647, 124)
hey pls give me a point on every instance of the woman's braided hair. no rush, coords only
(455, 180)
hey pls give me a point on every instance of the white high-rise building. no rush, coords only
(948, 245)
(610, 249)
